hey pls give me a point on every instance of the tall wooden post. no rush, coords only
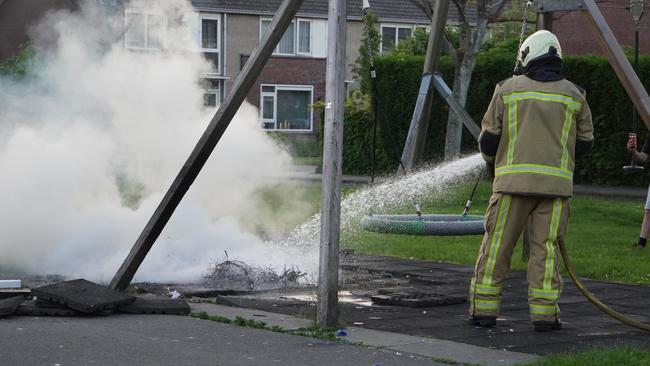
(414, 146)
(545, 21)
(206, 144)
(327, 311)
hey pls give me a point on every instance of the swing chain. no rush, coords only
(366, 33)
(524, 24)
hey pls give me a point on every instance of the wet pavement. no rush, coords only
(364, 276)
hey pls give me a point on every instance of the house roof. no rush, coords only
(386, 10)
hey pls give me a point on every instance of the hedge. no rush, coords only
(398, 83)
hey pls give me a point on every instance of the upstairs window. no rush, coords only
(295, 41)
(391, 35)
(286, 108)
(212, 94)
(211, 40)
(143, 30)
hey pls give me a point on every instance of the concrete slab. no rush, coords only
(437, 349)
(83, 296)
(271, 319)
(156, 306)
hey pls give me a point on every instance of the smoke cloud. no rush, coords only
(94, 136)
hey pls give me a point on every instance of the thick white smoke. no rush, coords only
(94, 137)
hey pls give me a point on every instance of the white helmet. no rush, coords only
(539, 44)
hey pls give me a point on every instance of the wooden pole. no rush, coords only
(327, 311)
(206, 144)
(618, 60)
(414, 146)
(545, 21)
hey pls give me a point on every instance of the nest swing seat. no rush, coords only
(435, 224)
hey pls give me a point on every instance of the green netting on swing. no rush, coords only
(439, 225)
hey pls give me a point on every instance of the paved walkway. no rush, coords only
(159, 340)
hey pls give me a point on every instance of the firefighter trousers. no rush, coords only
(505, 219)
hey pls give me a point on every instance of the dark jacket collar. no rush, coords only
(545, 69)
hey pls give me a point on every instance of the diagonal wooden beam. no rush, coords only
(414, 146)
(618, 60)
(192, 167)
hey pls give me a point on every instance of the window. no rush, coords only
(295, 41)
(143, 30)
(210, 40)
(287, 108)
(392, 34)
(212, 95)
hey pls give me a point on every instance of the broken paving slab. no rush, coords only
(7, 293)
(9, 306)
(30, 308)
(156, 306)
(83, 295)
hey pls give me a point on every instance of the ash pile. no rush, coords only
(81, 297)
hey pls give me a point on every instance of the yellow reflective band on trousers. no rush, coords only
(550, 244)
(484, 289)
(533, 168)
(543, 309)
(502, 217)
(486, 304)
(544, 294)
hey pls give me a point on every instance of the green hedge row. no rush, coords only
(398, 83)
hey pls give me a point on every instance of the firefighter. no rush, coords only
(533, 129)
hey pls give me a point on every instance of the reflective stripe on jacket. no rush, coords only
(538, 123)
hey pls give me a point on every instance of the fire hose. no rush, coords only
(592, 299)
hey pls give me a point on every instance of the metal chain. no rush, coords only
(524, 21)
(371, 56)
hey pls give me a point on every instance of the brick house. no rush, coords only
(576, 37)
(16, 18)
(294, 77)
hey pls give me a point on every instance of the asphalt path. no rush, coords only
(124, 339)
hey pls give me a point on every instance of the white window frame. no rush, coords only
(397, 27)
(296, 37)
(274, 120)
(146, 15)
(216, 92)
(217, 50)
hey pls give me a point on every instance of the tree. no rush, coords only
(463, 44)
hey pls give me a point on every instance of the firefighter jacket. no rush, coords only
(529, 133)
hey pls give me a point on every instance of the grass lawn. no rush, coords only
(603, 357)
(599, 241)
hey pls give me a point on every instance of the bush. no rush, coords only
(398, 84)
(17, 66)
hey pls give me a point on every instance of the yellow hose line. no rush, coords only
(604, 308)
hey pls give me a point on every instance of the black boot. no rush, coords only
(641, 243)
(483, 321)
(546, 326)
